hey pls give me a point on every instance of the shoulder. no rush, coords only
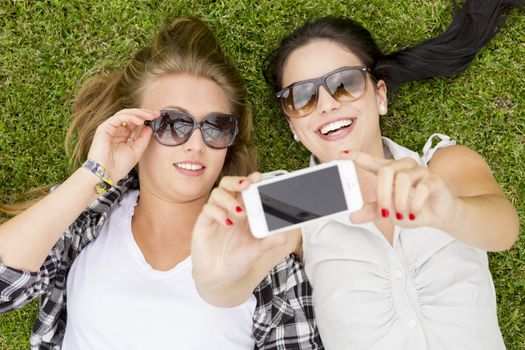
(457, 157)
(464, 170)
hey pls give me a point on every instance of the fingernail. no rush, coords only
(241, 181)
(399, 216)
(411, 216)
(238, 209)
(229, 222)
(345, 151)
(385, 213)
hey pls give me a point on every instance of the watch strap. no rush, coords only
(101, 172)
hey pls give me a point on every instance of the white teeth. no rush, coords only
(189, 166)
(335, 125)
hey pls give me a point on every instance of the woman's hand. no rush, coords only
(27, 239)
(225, 254)
(402, 191)
(456, 194)
(120, 140)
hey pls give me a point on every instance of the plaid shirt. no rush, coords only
(283, 318)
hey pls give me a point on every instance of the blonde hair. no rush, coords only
(186, 45)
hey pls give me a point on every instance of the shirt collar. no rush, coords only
(392, 151)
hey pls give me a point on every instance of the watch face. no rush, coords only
(102, 187)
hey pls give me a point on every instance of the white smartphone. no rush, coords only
(288, 201)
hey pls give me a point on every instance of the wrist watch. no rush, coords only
(97, 169)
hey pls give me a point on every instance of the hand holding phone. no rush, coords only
(288, 201)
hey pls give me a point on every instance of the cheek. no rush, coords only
(218, 160)
(149, 152)
(299, 126)
(153, 157)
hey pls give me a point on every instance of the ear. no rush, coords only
(295, 136)
(381, 96)
(290, 124)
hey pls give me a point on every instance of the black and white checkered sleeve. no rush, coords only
(285, 315)
(18, 287)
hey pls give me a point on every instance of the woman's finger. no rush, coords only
(220, 197)
(404, 185)
(367, 184)
(117, 129)
(216, 214)
(424, 190)
(421, 193)
(364, 160)
(125, 122)
(239, 183)
(254, 177)
(139, 140)
(233, 183)
(366, 214)
(385, 183)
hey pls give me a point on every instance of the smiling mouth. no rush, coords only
(335, 126)
(189, 166)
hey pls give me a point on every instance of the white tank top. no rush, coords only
(116, 300)
(426, 291)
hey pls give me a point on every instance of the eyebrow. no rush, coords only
(177, 108)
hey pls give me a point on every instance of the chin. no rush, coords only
(190, 196)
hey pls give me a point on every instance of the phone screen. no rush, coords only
(302, 198)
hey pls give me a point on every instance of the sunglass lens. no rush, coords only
(173, 128)
(346, 85)
(300, 99)
(219, 131)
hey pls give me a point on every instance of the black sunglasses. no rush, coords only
(173, 128)
(343, 84)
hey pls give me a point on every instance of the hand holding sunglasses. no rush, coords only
(174, 128)
(343, 84)
(120, 140)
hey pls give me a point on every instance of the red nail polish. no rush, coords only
(238, 209)
(346, 151)
(411, 216)
(241, 181)
(229, 222)
(385, 213)
(399, 216)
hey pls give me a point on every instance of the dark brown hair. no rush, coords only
(472, 27)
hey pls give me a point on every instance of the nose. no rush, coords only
(195, 142)
(325, 102)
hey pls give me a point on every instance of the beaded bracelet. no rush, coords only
(102, 173)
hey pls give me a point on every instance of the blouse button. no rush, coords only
(412, 323)
(398, 274)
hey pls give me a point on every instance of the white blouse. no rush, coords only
(425, 291)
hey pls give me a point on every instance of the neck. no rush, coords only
(166, 219)
(376, 148)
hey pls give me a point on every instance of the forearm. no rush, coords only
(26, 239)
(489, 222)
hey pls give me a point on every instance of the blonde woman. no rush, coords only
(108, 251)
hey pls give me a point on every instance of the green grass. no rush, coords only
(48, 48)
